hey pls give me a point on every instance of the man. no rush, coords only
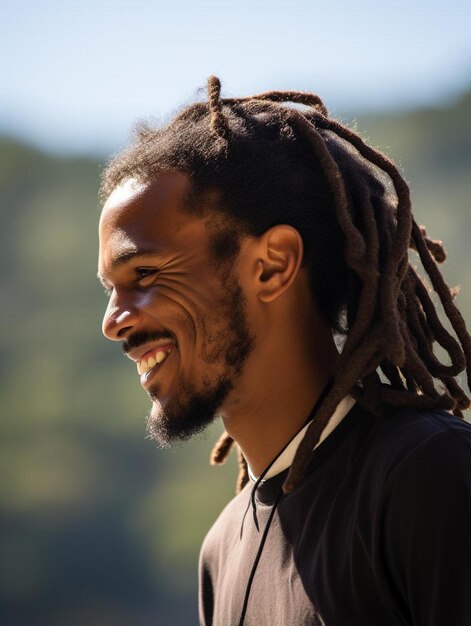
(256, 257)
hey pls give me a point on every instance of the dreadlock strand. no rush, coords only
(310, 439)
(218, 123)
(397, 261)
(403, 211)
(424, 348)
(435, 246)
(297, 97)
(370, 273)
(243, 476)
(419, 378)
(434, 325)
(417, 369)
(366, 305)
(454, 389)
(397, 399)
(343, 383)
(366, 268)
(436, 249)
(422, 318)
(443, 291)
(355, 243)
(424, 345)
(221, 449)
(355, 248)
(389, 286)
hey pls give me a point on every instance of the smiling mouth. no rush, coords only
(153, 358)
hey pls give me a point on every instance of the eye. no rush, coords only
(145, 272)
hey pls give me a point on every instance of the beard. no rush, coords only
(227, 342)
(190, 413)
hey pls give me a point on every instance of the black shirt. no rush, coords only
(377, 534)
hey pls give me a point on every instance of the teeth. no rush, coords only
(160, 356)
(144, 366)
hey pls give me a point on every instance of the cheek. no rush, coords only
(186, 309)
(197, 295)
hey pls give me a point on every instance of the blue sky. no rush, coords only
(76, 75)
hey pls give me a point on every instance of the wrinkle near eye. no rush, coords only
(178, 288)
(187, 289)
(176, 301)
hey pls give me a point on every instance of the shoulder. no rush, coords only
(430, 447)
(406, 435)
(419, 468)
(426, 504)
(396, 457)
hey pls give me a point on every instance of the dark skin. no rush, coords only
(156, 261)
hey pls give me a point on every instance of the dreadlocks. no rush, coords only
(270, 162)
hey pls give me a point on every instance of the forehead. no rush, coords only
(148, 218)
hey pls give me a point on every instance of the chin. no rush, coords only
(180, 419)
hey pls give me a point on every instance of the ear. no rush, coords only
(280, 253)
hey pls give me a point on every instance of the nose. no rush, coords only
(120, 318)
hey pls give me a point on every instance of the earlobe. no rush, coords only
(279, 262)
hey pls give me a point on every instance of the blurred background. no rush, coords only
(98, 526)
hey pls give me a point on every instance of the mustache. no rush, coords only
(142, 337)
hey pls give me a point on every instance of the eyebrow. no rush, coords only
(123, 257)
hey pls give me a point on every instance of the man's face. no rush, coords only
(180, 315)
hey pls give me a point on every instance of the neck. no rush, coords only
(274, 402)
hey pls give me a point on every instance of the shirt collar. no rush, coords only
(286, 457)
